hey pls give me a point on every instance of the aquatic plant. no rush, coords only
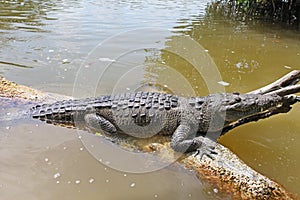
(281, 11)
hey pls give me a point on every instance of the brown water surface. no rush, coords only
(88, 48)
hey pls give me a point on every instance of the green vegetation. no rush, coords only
(280, 11)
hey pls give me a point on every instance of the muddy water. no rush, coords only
(87, 48)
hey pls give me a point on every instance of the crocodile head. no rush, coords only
(236, 106)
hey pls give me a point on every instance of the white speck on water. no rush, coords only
(57, 182)
(291, 179)
(51, 51)
(155, 196)
(165, 86)
(65, 61)
(65, 148)
(81, 149)
(190, 195)
(106, 60)
(132, 185)
(128, 89)
(79, 137)
(65, 69)
(107, 180)
(125, 175)
(215, 190)
(287, 67)
(46, 159)
(91, 180)
(7, 128)
(36, 125)
(77, 181)
(8, 113)
(223, 83)
(206, 50)
(232, 52)
(48, 58)
(286, 148)
(22, 3)
(163, 62)
(57, 175)
(238, 65)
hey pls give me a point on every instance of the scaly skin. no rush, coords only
(145, 114)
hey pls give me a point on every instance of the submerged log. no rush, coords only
(226, 173)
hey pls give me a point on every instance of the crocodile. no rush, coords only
(226, 173)
(144, 114)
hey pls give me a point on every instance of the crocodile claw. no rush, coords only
(207, 150)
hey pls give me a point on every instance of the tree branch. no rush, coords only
(290, 79)
(287, 85)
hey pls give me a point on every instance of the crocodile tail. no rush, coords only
(13, 109)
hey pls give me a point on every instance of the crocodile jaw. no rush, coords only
(237, 106)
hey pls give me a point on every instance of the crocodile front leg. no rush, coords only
(99, 123)
(180, 142)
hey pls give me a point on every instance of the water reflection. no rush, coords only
(24, 15)
(57, 37)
